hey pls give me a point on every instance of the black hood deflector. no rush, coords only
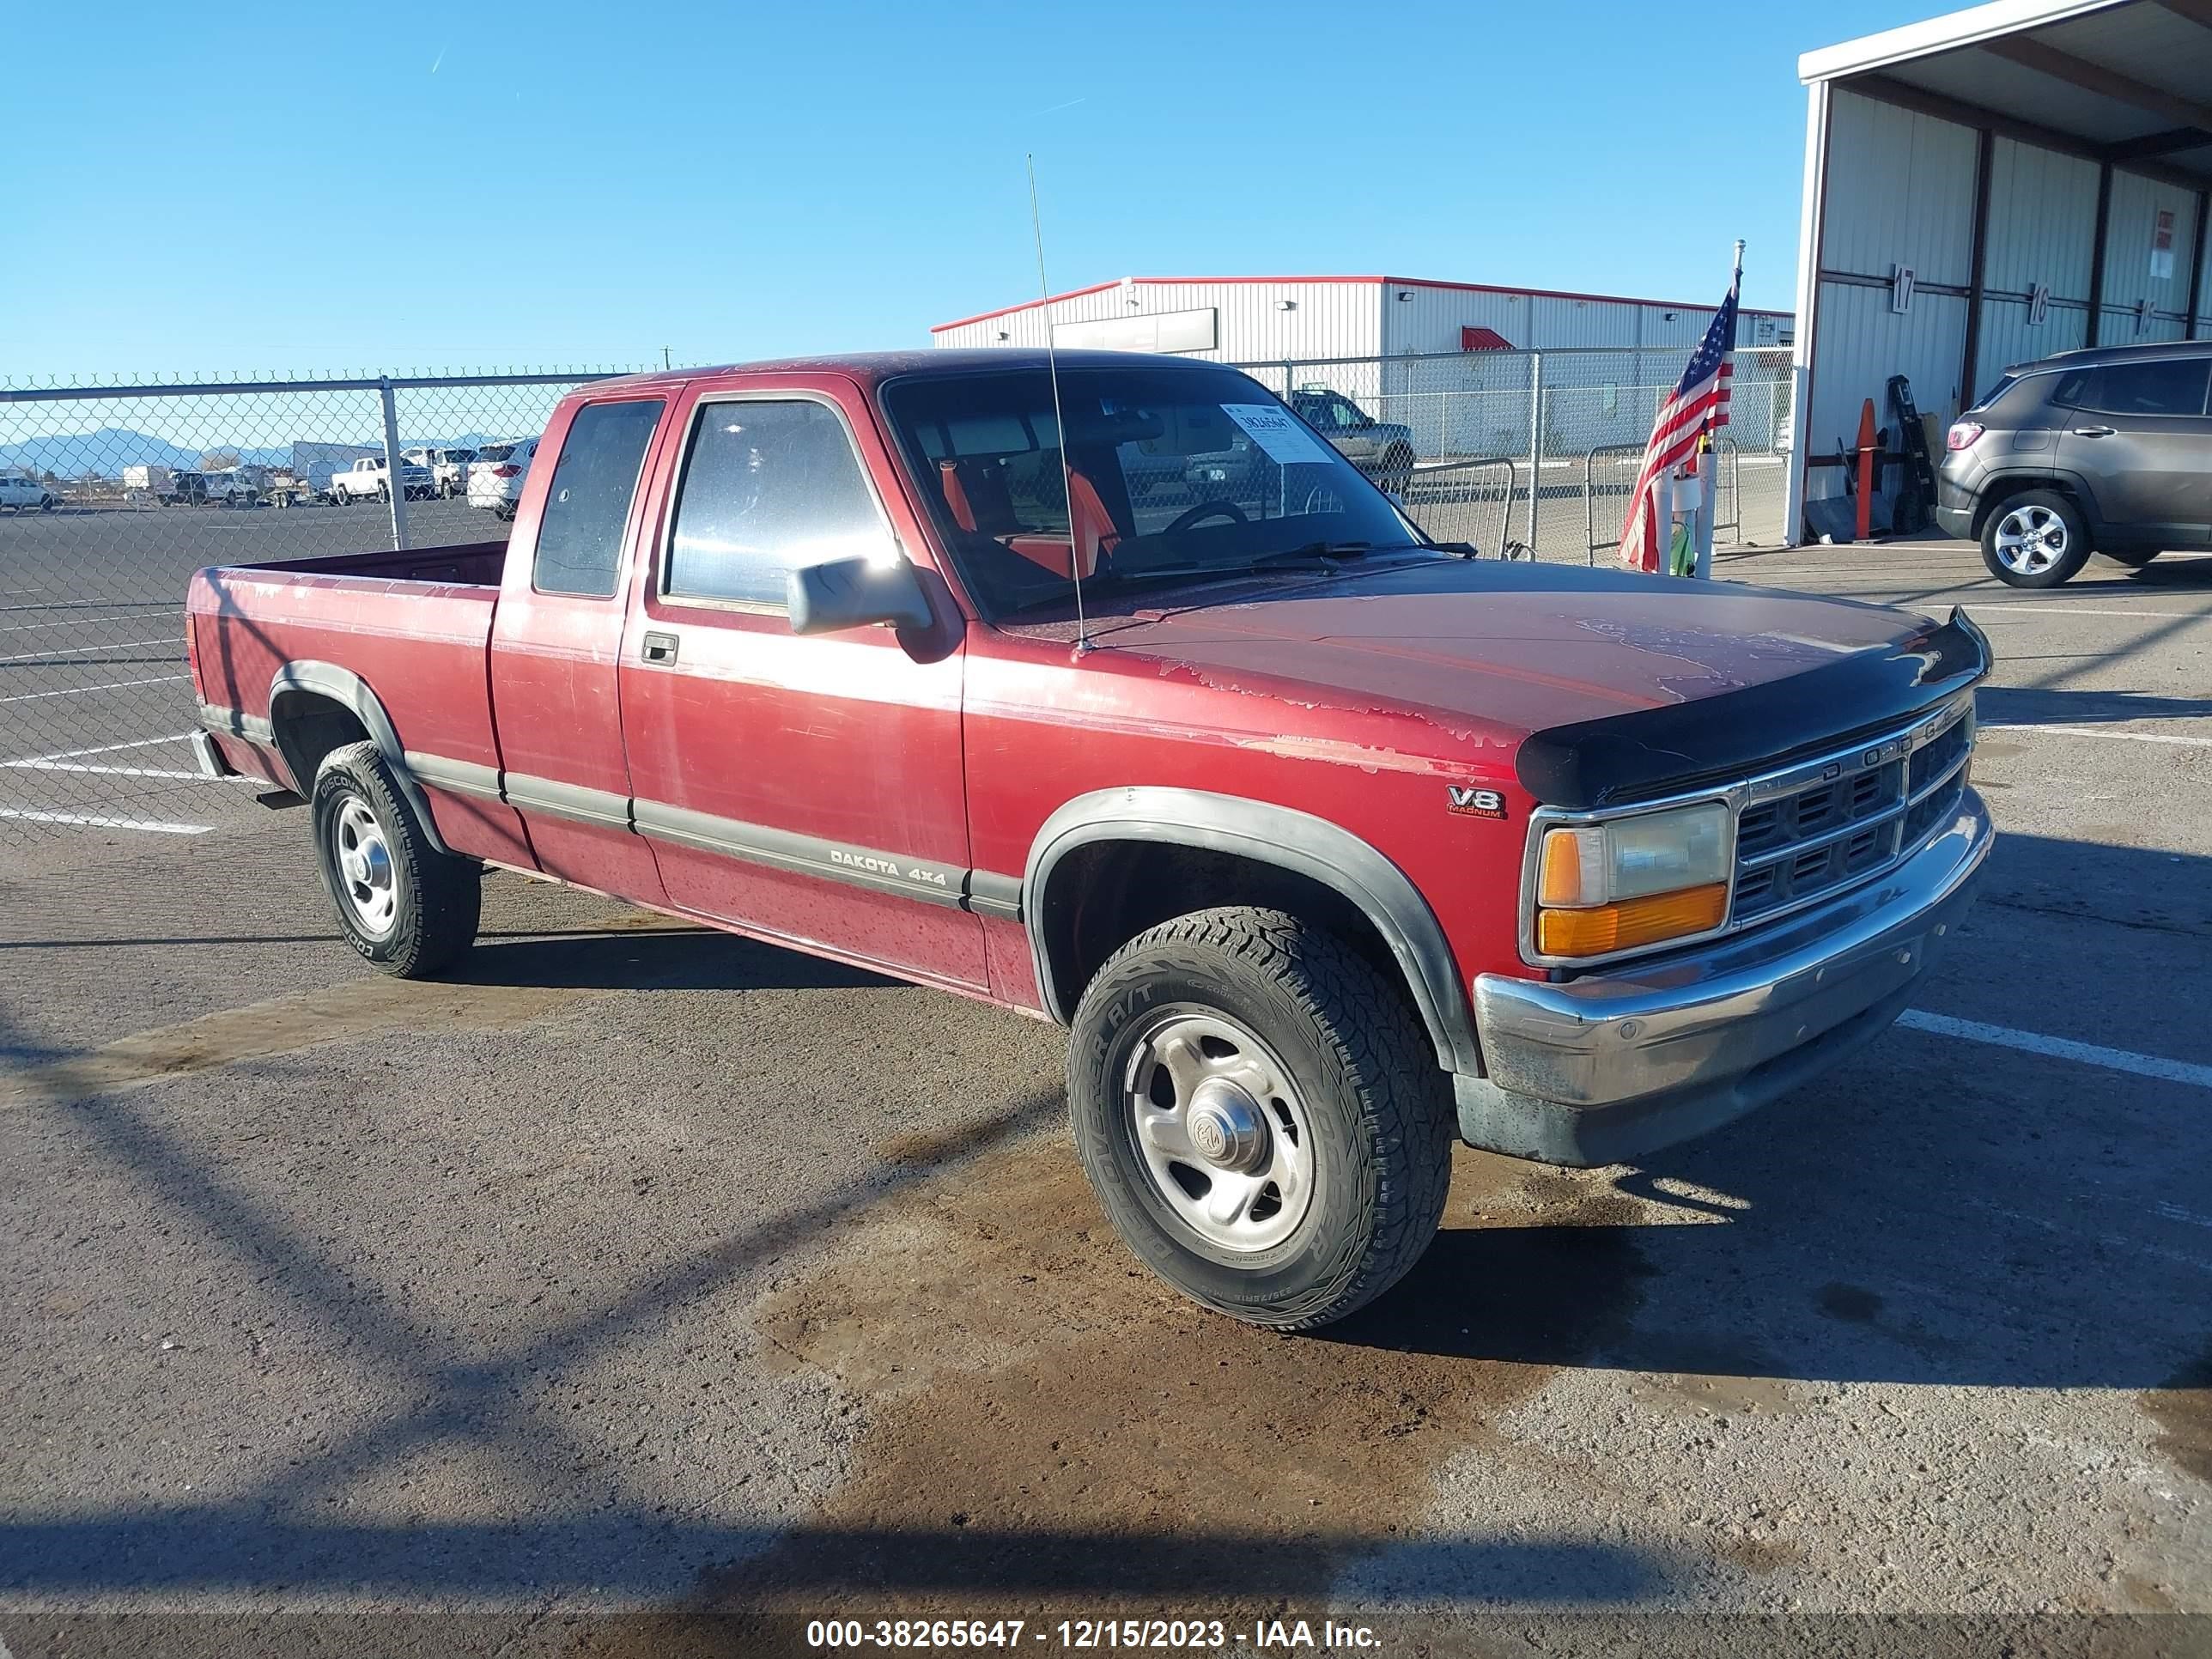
(1679, 747)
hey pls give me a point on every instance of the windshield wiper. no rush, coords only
(1317, 556)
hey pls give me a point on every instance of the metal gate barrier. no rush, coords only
(1447, 499)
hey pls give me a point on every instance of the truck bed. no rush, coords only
(415, 625)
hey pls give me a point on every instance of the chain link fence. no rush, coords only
(111, 495)
(1561, 416)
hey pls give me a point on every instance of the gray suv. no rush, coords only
(2107, 450)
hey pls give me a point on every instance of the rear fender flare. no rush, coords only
(1267, 834)
(348, 690)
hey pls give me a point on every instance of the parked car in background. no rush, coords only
(314, 464)
(147, 483)
(497, 476)
(368, 480)
(236, 487)
(1383, 450)
(448, 467)
(2105, 451)
(19, 493)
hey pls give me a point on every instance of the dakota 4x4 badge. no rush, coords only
(1475, 802)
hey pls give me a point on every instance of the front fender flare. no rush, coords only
(1268, 834)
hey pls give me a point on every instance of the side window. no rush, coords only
(2170, 385)
(768, 487)
(579, 538)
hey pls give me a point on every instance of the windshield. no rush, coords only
(1177, 474)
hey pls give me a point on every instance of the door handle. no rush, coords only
(660, 647)
(2092, 431)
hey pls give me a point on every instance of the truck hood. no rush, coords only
(1610, 685)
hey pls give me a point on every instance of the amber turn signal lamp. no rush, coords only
(1608, 927)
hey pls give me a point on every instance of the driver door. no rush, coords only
(808, 789)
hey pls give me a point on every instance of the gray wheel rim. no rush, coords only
(1223, 1134)
(362, 859)
(2031, 539)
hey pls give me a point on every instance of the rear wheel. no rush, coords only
(1260, 1114)
(402, 904)
(2035, 539)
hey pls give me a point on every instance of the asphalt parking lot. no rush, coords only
(645, 1291)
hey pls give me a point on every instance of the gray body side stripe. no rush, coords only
(1267, 834)
(860, 866)
(231, 723)
(993, 895)
(460, 777)
(602, 808)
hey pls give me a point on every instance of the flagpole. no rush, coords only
(1708, 464)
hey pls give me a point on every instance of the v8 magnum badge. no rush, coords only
(1471, 801)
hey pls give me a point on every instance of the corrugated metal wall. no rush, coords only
(2129, 277)
(1326, 319)
(1900, 192)
(1365, 319)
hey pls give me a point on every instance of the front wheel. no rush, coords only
(1260, 1114)
(405, 906)
(2035, 539)
(384, 494)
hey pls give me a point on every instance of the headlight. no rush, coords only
(1607, 887)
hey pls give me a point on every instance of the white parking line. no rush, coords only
(2034, 1042)
(2094, 610)
(98, 822)
(105, 771)
(2102, 731)
(66, 621)
(86, 690)
(110, 748)
(119, 645)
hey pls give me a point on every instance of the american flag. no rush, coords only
(1698, 405)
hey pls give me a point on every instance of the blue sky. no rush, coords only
(461, 186)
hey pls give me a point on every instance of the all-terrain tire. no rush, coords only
(434, 898)
(1375, 1102)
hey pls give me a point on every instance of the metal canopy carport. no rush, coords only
(2021, 178)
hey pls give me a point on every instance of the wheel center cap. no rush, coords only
(1226, 1127)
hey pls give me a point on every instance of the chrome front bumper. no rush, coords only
(1596, 1069)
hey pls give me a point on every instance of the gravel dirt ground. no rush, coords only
(644, 1292)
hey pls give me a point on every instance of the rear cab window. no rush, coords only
(587, 501)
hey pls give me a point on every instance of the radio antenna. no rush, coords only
(1059, 425)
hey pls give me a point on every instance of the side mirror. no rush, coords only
(827, 598)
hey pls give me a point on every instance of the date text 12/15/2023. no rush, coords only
(1087, 1635)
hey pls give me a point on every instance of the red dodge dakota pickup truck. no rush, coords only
(1327, 842)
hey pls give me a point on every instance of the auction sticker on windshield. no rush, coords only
(1278, 432)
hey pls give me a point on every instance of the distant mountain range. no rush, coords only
(111, 448)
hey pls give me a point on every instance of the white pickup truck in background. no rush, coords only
(448, 467)
(367, 480)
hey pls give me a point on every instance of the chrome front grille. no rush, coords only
(1799, 840)
(1805, 832)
